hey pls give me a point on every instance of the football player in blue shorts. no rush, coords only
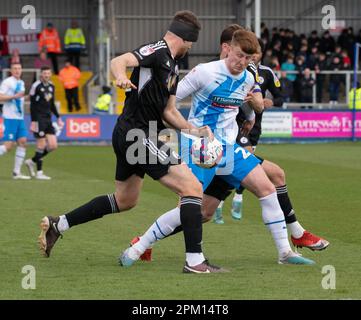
(218, 90)
(12, 91)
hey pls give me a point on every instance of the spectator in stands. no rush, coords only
(351, 97)
(49, 40)
(267, 57)
(306, 86)
(70, 76)
(346, 40)
(327, 43)
(321, 65)
(335, 79)
(286, 87)
(74, 43)
(104, 100)
(15, 57)
(312, 58)
(300, 66)
(264, 32)
(345, 59)
(289, 65)
(313, 39)
(41, 61)
(275, 65)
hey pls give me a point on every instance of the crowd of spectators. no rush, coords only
(287, 51)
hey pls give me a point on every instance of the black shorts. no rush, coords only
(250, 140)
(220, 189)
(45, 127)
(146, 155)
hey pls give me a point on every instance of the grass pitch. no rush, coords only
(324, 184)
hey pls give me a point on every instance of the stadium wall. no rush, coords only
(139, 21)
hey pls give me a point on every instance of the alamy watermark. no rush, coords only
(29, 280)
(329, 278)
(329, 20)
(29, 20)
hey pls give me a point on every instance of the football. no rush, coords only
(206, 153)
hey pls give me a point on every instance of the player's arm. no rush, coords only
(176, 120)
(118, 68)
(5, 97)
(275, 89)
(34, 127)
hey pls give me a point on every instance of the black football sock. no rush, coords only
(191, 219)
(240, 190)
(39, 155)
(285, 203)
(94, 209)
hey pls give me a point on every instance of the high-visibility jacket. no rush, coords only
(103, 102)
(358, 98)
(50, 40)
(70, 76)
(74, 39)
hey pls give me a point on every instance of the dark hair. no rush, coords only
(187, 17)
(44, 68)
(227, 33)
(246, 40)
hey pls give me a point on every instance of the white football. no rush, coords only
(206, 153)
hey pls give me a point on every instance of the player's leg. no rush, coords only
(299, 236)
(124, 198)
(247, 169)
(20, 150)
(237, 201)
(180, 179)
(129, 180)
(34, 164)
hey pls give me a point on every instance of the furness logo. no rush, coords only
(82, 127)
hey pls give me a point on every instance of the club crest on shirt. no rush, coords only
(146, 50)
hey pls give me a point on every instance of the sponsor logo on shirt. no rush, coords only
(146, 50)
(83, 128)
(226, 102)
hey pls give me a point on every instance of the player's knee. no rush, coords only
(192, 188)
(52, 146)
(207, 215)
(126, 202)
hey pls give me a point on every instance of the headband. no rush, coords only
(184, 30)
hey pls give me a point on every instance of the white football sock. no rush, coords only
(3, 150)
(274, 219)
(296, 229)
(194, 258)
(220, 206)
(161, 228)
(63, 224)
(19, 159)
(238, 197)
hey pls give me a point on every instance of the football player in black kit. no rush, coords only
(42, 107)
(248, 138)
(150, 100)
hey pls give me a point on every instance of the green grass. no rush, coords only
(324, 183)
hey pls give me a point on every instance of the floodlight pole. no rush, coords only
(101, 36)
(257, 18)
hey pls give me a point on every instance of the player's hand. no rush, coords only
(206, 131)
(60, 123)
(34, 126)
(267, 103)
(18, 95)
(247, 127)
(124, 83)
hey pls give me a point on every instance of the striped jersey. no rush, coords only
(217, 96)
(13, 109)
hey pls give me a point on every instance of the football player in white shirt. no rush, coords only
(12, 91)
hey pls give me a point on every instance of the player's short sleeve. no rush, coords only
(4, 87)
(252, 68)
(147, 55)
(33, 88)
(192, 82)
